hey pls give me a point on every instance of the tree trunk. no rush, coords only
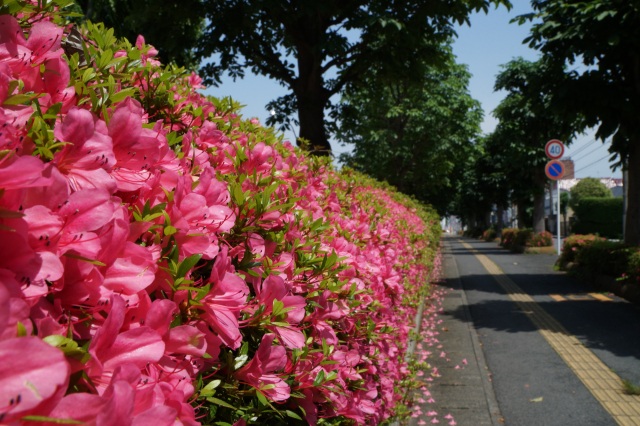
(312, 129)
(632, 222)
(522, 213)
(500, 224)
(311, 95)
(538, 202)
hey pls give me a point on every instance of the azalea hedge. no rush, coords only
(517, 240)
(165, 261)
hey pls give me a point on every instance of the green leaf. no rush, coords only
(19, 99)
(240, 361)
(123, 94)
(45, 419)
(21, 330)
(209, 389)
(262, 398)
(84, 259)
(319, 378)
(293, 415)
(187, 264)
(220, 402)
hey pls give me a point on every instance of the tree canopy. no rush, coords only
(171, 26)
(527, 120)
(315, 48)
(416, 134)
(600, 40)
(588, 188)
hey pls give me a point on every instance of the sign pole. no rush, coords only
(558, 213)
(554, 149)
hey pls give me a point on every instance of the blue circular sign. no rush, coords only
(554, 170)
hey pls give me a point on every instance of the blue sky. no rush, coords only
(489, 42)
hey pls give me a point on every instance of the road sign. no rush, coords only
(554, 170)
(554, 149)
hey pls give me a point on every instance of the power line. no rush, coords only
(591, 164)
(588, 153)
(583, 147)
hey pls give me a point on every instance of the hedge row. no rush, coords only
(165, 262)
(599, 215)
(610, 265)
(517, 240)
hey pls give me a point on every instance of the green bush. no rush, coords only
(604, 257)
(602, 216)
(475, 232)
(572, 245)
(633, 266)
(490, 234)
(508, 238)
(541, 239)
(522, 238)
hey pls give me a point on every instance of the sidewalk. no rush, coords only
(544, 344)
(464, 387)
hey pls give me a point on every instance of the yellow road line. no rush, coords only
(601, 297)
(603, 384)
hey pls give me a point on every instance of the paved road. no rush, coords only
(541, 349)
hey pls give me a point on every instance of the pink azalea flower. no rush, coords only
(111, 347)
(268, 359)
(272, 289)
(87, 159)
(223, 304)
(33, 377)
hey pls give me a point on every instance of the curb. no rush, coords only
(492, 402)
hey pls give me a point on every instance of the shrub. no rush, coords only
(517, 239)
(508, 238)
(541, 239)
(572, 245)
(588, 188)
(633, 266)
(602, 216)
(165, 257)
(475, 232)
(490, 234)
(604, 257)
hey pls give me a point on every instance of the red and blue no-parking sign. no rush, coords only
(554, 170)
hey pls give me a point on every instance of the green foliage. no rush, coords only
(572, 245)
(598, 39)
(604, 257)
(424, 127)
(527, 119)
(588, 187)
(633, 268)
(508, 238)
(314, 48)
(489, 235)
(601, 216)
(630, 388)
(540, 239)
(517, 239)
(172, 26)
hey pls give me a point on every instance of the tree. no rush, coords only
(483, 186)
(527, 120)
(600, 39)
(314, 48)
(588, 188)
(415, 134)
(171, 26)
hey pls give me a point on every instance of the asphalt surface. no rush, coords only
(513, 376)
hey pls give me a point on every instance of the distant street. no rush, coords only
(548, 351)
